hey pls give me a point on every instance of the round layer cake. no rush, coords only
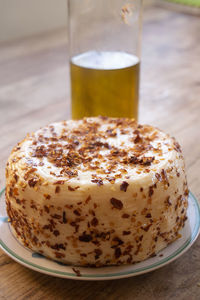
(98, 191)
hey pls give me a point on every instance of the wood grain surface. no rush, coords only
(34, 91)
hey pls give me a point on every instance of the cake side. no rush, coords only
(97, 192)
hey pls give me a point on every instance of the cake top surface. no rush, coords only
(96, 150)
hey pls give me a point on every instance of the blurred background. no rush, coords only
(22, 18)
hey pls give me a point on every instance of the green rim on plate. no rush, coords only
(154, 266)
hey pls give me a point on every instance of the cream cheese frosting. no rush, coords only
(97, 191)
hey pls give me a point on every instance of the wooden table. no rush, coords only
(34, 91)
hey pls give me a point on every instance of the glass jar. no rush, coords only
(104, 48)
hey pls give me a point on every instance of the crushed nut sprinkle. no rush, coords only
(116, 203)
(118, 252)
(59, 182)
(32, 182)
(124, 186)
(77, 272)
(46, 208)
(72, 189)
(126, 232)
(88, 199)
(125, 216)
(16, 177)
(158, 176)
(151, 191)
(146, 227)
(85, 237)
(144, 161)
(148, 215)
(98, 253)
(76, 212)
(59, 255)
(99, 182)
(167, 201)
(57, 190)
(164, 177)
(58, 246)
(177, 147)
(94, 221)
(47, 196)
(64, 217)
(56, 232)
(71, 155)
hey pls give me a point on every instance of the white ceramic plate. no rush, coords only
(26, 257)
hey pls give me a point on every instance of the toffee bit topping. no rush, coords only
(29, 171)
(94, 221)
(40, 152)
(59, 255)
(168, 202)
(57, 190)
(151, 191)
(88, 199)
(111, 132)
(99, 182)
(56, 232)
(144, 161)
(74, 224)
(64, 217)
(46, 208)
(148, 215)
(71, 188)
(177, 147)
(32, 182)
(16, 177)
(58, 247)
(98, 253)
(124, 186)
(77, 272)
(85, 237)
(186, 192)
(47, 196)
(111, 179)
(116, 203)
(116, 242)
(146, 227)
(76, 212)
(118, 252)
(138, 138)
(55, 216)
(59, 182)
(164, 177)
(126, 232)
(91, 144)
(133, 160)
(125, 216)
(158, 176)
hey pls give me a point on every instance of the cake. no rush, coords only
(98, 191)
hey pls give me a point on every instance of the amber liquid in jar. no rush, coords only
(104, 83)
